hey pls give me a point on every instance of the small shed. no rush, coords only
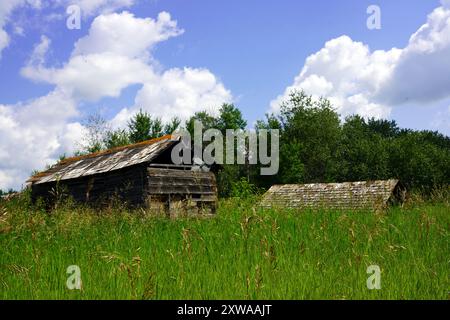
(346, 195)
(140, 175)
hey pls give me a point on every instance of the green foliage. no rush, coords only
(156, 129)
(208, 121)
(172, 126)
(230, 117)
(140, 126)
(117, 138)
(363, 153)
(309, 138)
(243, 189)
(316, 147)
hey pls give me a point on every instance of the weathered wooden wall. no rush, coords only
(181, 191)
(126, 185)
(171, 191)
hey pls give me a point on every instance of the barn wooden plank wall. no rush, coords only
(170, 181)
(126, 185)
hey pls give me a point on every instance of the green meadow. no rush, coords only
(242, 253)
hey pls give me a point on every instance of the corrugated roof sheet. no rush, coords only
(105, 161)
(346, 195)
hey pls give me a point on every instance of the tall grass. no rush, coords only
(243, 253)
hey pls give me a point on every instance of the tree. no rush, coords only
(418, 163)
(172, 126)
(230, 117)
(156, 128)
(208, 121)
(363, 151)
(139, 127)
(385, 128)
(96, 130)
(117, 138)
(312, 128)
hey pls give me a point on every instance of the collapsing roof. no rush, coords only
(105, 161)
(346, 195)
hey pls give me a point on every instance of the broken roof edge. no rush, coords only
(393, 180)
(68, 161)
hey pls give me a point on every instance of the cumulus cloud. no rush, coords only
(370, 83)
(93, 76)
(124, 34)
(177, 93)
(346, 72)
(113, 56)
(422, 72)
(116, 53)
(33, 134)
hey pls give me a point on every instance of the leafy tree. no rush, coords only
(140, 126)
(156, 128)
(385, 128)
(230, 117)
(208, 121)
(172, 126)
(419, 163)
(363, 151)
(312, 127)
(117, 138)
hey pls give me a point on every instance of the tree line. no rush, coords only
(315, 145)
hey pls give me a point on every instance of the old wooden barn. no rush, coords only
(141, 174)
(346, 195)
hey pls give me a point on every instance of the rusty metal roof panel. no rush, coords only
(105, 161)
(360, 194)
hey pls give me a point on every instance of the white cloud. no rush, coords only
(422, 72)
(113, 56)
(94, 76)
(93, 7)
(116, 53)
(369, 83)
(346, 72)
(4, 40)
(178, 93)
(126, 35)
(39, 52)
(33, 134)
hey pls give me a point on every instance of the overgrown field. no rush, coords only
(243, 253)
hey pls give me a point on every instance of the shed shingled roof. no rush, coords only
(104, 161)
(346, 195)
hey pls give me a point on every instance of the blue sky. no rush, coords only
(173, 58)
